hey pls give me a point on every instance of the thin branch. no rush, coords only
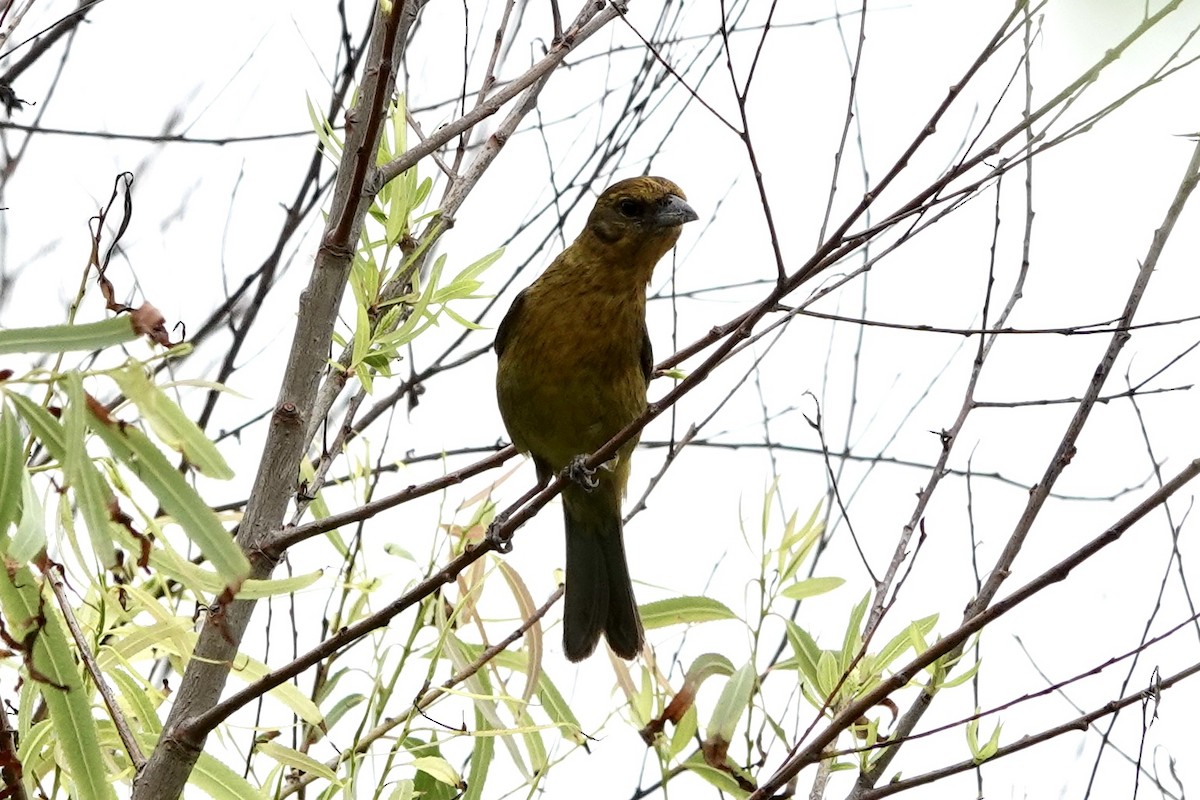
(953, 641)
(128, 740)
(364, 742)
(1080, 723)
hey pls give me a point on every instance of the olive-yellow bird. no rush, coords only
(574, 363)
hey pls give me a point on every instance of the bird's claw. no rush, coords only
(499, 535)
(579, 472)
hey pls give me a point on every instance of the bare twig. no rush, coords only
(128, 740)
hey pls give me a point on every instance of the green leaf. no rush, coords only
(734, 699)
(682, 610)
(131, 447)
(681, 737)
(201, 580)
(215, 778)
(828, 675)
(258, 589)
(982, 752)
(12, 469)
(808, 655)
(44, 427)
(798, 542)
(558, 710)
(472, 271)
(440, 769)
(33, 619)
(251, 670)
(405, 790)
(30, 536)
(916, 631)
(342, 707)
(36, 752)
(811, 587)
(481, 760)
(136, 694)
(704, 667)
(93, 496)
(170, 424)
(68, 338)
(962, 677)
(720, 779)
(332, 145)
(303, 762)
(853, 637)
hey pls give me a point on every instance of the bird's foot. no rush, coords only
(579, 472)
(499, 535)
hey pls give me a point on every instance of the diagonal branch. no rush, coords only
(946, 648)
(1063, 454)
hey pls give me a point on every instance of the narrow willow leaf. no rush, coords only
(68, 338)
(721, 780)
(302, 762)
(476, 268)
(852, 640)
(828, 675)
(57, 680)
(29, 539)
(173, 636)
(808, 655)
(811, 587)
(42, 424)
(439, 768)
(216, 779)
(481, 760)
(962, 677)
(343, 706)
(533, 636)
(201, 580)
(705, 667)
(170, 424)
(684, 732)
(734, 699)
(405, 790)
(799, 541)
(250, 670)
(135, 695)
(982, 752)
(681, 610)
(332, 144)
(36, 752)
(132, 448)
(558, 710)
(12, 469)
(93, 497)
(901, 642)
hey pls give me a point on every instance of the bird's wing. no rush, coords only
(509, 322)
(647, 353)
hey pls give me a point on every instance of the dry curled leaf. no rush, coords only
(149, 321)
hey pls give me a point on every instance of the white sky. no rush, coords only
(206, 214)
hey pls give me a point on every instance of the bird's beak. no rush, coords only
(672, 212)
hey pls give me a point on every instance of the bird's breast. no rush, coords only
(570, 376)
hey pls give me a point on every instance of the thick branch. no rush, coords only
(168, 768)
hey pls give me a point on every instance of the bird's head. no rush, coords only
(639, 219)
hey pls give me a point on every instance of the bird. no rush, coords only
(574, 361)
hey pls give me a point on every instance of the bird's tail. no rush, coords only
(599, 597)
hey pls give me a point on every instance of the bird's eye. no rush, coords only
(629, 208)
